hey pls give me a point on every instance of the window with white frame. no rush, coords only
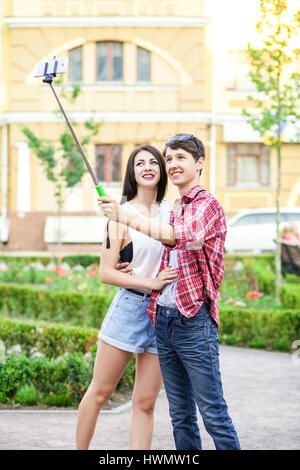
(143, 65)
(75, 64)
(248, 165)
(109, 61)
(108, 162)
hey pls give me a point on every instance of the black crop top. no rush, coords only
(126, 254)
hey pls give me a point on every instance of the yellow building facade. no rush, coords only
(147, 70)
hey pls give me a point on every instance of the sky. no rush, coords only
(234, 21)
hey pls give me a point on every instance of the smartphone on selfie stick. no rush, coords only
(49, 69)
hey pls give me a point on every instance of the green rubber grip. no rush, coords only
(100, 191)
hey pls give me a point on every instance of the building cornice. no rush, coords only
(106, 21)
(113, 117)
(110, 117)
(104, 88)
(235, 127)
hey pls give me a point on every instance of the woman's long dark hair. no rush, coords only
(130, 186)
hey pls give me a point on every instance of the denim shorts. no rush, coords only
(127, 325)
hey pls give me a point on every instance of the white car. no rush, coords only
(255, 230)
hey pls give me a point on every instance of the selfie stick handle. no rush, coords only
(100, 190)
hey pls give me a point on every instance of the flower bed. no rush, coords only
(249, 282)
(53, 276)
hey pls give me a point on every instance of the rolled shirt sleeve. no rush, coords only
(196, 227)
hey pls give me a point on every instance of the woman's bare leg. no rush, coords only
(110, 364)
(148, 381)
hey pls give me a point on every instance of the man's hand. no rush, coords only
(176, 206)
(152, 228)
(124, 268)
(167, 276)
(111, 208)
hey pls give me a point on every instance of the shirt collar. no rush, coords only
(192, 193)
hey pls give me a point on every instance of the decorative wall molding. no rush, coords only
(106, 22)
(104, 88)
(110, 117)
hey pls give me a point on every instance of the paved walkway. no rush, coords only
(262, 390)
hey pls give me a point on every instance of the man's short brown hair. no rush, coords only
(187, 142)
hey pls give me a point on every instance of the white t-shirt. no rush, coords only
(147, 252)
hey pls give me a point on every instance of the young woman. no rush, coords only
(127, 328)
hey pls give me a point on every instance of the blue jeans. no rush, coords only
(189, 359)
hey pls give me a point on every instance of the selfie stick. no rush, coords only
(48, 79)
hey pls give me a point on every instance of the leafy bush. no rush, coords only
(57, 277)
(26, 395)
(53, 382)
(72, 260)
(245, 275)
(261, 274)
(292, 279)
(83, 260)
(14, 373)
(51, 340)
(271, 329)
(290, 294)
(70, 307)
(23, 260)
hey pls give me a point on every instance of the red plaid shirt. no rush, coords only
(200, 231)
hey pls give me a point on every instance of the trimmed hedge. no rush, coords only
(261, 274)
(267, 258)
(68, 307)
(268, 329)
(48, 381)
(290, 295)
(83, 260)
(62, 376)
(51, 340)
(72, 260)
(63, 380)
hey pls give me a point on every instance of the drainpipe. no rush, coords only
(4, 220)
(212, 166)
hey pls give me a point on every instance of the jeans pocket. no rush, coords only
(130, 302)
(198, 321)
(195, 323)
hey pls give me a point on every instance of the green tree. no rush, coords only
(272, 70)
(63, 165)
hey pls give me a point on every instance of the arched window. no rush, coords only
(143, 65)
(75, 64)
(109, 58)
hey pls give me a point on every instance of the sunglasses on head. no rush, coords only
(182, 138)
(179, 138)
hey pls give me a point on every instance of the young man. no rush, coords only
(186, 313)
